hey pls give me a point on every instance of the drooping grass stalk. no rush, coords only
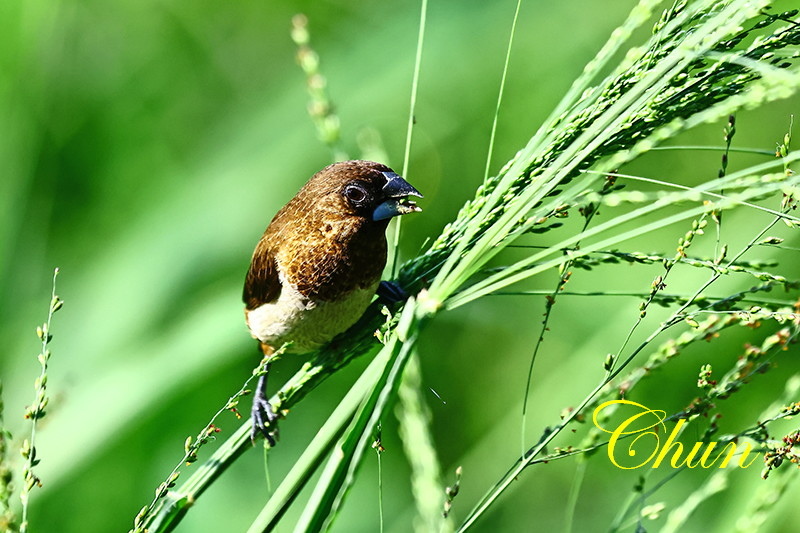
(756, 269)
(539, 262)
(37, 410)
(511, 212)
(613, 369)
(754, 151)
(703, 192)
(661, 299)
(718, 481)
(752, 363)
(588, 212)
(640, 112)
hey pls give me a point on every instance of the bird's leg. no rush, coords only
(263, 415)
(391, 293)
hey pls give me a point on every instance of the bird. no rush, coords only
(318, 265)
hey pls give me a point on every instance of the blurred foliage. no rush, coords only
(146, 145)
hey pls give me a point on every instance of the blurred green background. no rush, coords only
(145, 145)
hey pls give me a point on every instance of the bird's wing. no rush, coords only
(262, 284)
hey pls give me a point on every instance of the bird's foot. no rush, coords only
(264, 422)
(265, 419)
(391, 293)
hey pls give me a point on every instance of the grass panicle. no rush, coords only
(38, 409)
(8, 518)
(320, 107)
(147, 516)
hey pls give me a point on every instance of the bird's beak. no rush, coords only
(396, 191)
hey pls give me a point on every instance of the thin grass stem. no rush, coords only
(410, 129)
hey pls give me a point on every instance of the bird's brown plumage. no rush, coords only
(319, 262)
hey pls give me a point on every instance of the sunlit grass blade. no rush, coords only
(649, 109)
(613, 369)
(538, 262)
(503, 77)
(339, 472)
(397, 222)
(610, 121)
(169, 511)
(426, 483)
(320, 446)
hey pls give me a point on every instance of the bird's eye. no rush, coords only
(355, 193)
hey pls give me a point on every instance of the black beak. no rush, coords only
(396, 191)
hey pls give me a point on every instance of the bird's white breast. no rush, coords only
(305, 323)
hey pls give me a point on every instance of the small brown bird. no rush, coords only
(318, 264)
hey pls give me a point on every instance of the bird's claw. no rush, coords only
(263, 415)
(391, 293)
(264, 421)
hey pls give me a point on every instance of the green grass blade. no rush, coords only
(339, 472)
(426, 483)
(320, 446)
(524, 269)
(395, 242)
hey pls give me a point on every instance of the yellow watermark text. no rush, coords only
(640, 432)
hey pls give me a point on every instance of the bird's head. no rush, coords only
(363, 189)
